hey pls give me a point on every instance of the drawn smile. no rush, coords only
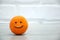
(18, 26)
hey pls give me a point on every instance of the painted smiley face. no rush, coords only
(18, 25)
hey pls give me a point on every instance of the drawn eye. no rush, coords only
(15, 22)
(20, 21)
